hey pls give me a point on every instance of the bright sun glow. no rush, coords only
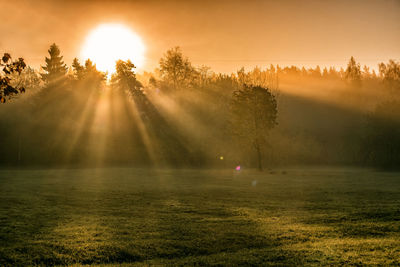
(110, 42)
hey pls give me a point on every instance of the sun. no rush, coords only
(110, 42)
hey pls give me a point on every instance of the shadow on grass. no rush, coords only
(185, 217)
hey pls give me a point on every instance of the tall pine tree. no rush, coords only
(55, 68)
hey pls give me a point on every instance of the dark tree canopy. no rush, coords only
(125, 82)
(88, 72)
(61, 119)
(125, 78)
(9, 67)
(382, 142)
(78, 69)
(55, 68)
(254, 114)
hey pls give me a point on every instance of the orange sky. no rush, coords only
(224, 35)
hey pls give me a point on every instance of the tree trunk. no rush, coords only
(259, 157)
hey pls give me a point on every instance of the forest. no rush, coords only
(181, 115)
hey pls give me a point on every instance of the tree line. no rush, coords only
(183, 115)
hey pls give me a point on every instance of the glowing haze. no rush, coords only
(224, 35)
(109, 42)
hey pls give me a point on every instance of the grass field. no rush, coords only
(297, 216)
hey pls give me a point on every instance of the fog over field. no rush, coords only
(199, 133)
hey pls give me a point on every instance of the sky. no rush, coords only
(225, 35)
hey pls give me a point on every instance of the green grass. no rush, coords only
(303, 216)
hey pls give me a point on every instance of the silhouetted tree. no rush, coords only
(7, 90)
(55, 69)
(390, 74)
(264, 78)
(353, 72)
(254, 114)
(366, 73)
(125, 78)
(176, 70)
(78, 69)
(204, 75)
(88, 73)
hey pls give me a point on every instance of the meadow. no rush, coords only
(125, 216)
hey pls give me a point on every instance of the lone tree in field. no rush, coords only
(9, 67)
(55, 69)
(254, 114)
(176, 70)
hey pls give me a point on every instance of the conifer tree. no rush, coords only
(87, 72)
(78, 69)
(55, 68)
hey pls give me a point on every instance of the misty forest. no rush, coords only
(212, 133)
(182, 115)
